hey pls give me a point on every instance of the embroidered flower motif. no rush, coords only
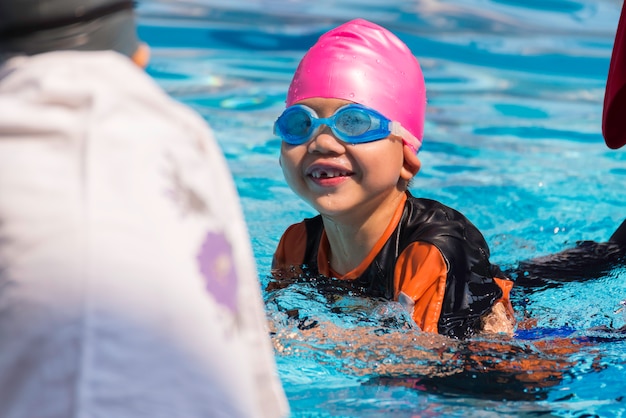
(217, 266)
(187, 200)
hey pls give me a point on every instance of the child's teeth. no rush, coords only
(325, 174)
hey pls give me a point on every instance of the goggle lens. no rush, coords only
(353, 122)
(297, 124)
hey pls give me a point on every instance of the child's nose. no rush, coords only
(325, 141)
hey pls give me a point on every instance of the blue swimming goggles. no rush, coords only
(352, 123)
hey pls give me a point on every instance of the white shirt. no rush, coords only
(128, 287)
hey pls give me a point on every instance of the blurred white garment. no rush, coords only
(128, 287)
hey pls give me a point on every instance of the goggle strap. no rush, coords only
(408, 138)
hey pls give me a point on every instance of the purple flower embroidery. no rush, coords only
(217, 266)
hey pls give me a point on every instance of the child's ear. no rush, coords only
(411, 165)
(141, 55)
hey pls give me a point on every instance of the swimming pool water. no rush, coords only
(512, 140)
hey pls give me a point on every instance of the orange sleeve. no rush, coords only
(291, 248)
(420, 274)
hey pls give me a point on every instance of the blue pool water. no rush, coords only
(512, 140)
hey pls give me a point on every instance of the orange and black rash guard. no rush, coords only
(431, 258)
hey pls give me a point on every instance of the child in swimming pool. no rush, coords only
(351, 131)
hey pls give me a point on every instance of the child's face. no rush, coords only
(340, 179)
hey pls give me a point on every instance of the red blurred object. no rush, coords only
(614, 112)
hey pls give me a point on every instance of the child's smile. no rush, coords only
(327, 175)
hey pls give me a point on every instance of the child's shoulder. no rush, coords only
(292, 246)
(299, 229)
(429, 219)
(433, 209)
(459, 241)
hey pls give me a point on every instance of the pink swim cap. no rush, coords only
(366, 64)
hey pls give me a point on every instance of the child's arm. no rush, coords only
(420, 282)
